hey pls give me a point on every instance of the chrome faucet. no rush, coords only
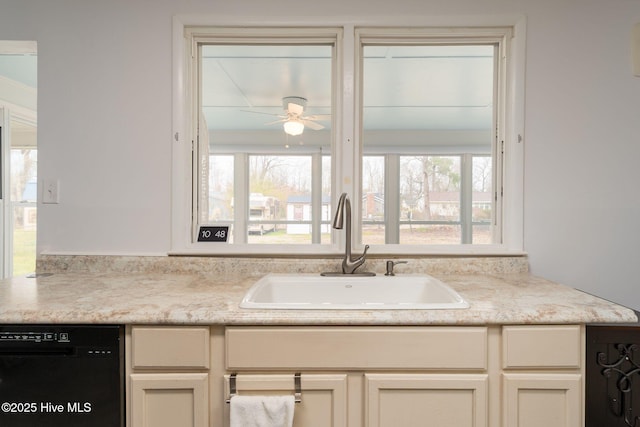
(349, 265)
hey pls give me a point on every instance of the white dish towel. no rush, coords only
(262, 411)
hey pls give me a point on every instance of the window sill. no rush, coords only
(375, 251)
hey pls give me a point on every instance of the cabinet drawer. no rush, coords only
(356, 347)
(166, 347)
(542, 346)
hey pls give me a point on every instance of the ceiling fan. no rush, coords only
(293, 120)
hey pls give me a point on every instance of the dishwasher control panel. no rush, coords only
(35, 337)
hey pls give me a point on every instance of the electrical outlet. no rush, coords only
(50, 191)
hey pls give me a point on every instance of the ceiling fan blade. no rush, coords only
(317, 117)
(262, 112)
(276, 121)
(295, 108)
(312, 125)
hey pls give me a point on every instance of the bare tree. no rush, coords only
(262, 166)
(373, 174)
(482, 172)
(23, 169)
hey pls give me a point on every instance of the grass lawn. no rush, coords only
(24, 252)
(416, 235)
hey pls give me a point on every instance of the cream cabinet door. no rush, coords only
(324, 396)
(542, 400)
(436, 400)
(169, 400)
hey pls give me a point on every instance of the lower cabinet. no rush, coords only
(169, 400)
(324, 402)
(543, 376)
(168, 376)
(550, 400)
(391, 400)
(408, 400)
(511, 376)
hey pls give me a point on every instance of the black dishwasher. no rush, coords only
(61, 375)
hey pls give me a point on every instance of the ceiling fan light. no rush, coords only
(293, 127)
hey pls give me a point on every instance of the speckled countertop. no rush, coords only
(497, 295)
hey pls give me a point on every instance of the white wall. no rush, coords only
(582, 155)
(104, 110)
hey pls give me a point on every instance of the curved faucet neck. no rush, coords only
(347, 234)
(343, 214)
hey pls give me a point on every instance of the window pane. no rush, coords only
(430, 234)
(430, 104)
(482, 206)
(430, 197)
(327, 213)
(373, 227)
(215, 198)
(23, 199)
(265, 111)
(220, 188)
(24, 240)
(280, 190)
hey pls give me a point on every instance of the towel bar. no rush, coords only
(297, 383)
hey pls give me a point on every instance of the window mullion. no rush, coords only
(466, 196)
(316, 197)
(392, 199)
(240, 197)
(348, 147)
(498, 139)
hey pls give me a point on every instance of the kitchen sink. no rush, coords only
(346, 292)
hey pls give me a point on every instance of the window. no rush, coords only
(264, 124)
(18, 157)
(24, 183)
(411, 123)
(430, 128)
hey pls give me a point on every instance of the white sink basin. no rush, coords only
(315, 292)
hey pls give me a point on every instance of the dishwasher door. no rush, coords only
(61, 375)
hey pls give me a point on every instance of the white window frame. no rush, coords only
(502, 36)
(20, 105)
(347, 151)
